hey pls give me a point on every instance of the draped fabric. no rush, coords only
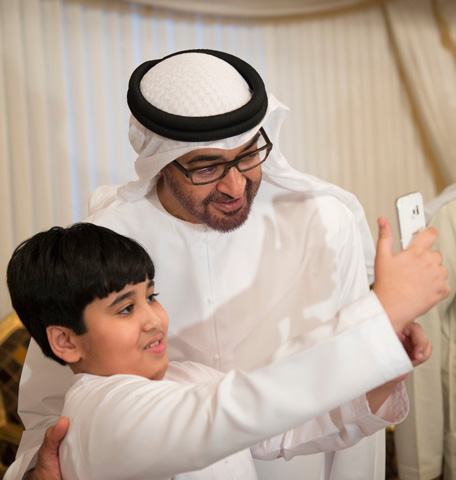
(430, 77)
(258, 8)
(371, 86)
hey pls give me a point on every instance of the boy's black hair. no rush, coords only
(55, 274)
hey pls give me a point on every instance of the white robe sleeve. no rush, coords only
(339, 429)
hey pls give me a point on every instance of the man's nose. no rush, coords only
(233, 183)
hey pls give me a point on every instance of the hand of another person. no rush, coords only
(412, 281)
(416, 344)
(47, 466)
(419, 350)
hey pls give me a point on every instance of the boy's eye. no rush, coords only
(126, 310)
(151, 297)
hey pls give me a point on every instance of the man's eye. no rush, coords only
(250, 159)
(206, 171)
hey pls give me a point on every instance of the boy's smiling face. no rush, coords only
(126, 334)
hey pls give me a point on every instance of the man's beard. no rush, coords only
(222, 221)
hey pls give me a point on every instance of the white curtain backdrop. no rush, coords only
(371, 87)
(428, 56)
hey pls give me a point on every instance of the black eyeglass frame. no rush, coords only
(229, 165)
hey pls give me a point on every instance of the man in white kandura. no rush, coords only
(249, 252)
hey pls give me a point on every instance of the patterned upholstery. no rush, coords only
(14, 340)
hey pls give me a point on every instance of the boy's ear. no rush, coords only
(62, 343)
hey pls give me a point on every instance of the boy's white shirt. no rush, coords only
(196, 417)
(129, 427)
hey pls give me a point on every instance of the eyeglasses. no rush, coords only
(214, 172)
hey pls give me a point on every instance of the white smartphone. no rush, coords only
(410, 215)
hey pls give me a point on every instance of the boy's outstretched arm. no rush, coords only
(47, 466)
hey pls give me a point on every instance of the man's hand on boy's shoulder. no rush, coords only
(47, 465)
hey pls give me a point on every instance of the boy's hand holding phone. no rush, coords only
(412, 281)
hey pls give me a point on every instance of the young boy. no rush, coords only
(87, 296)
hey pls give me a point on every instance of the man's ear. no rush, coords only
(61, 340)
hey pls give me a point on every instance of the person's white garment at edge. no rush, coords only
(235, 298)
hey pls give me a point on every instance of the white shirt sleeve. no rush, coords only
(338, 429)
